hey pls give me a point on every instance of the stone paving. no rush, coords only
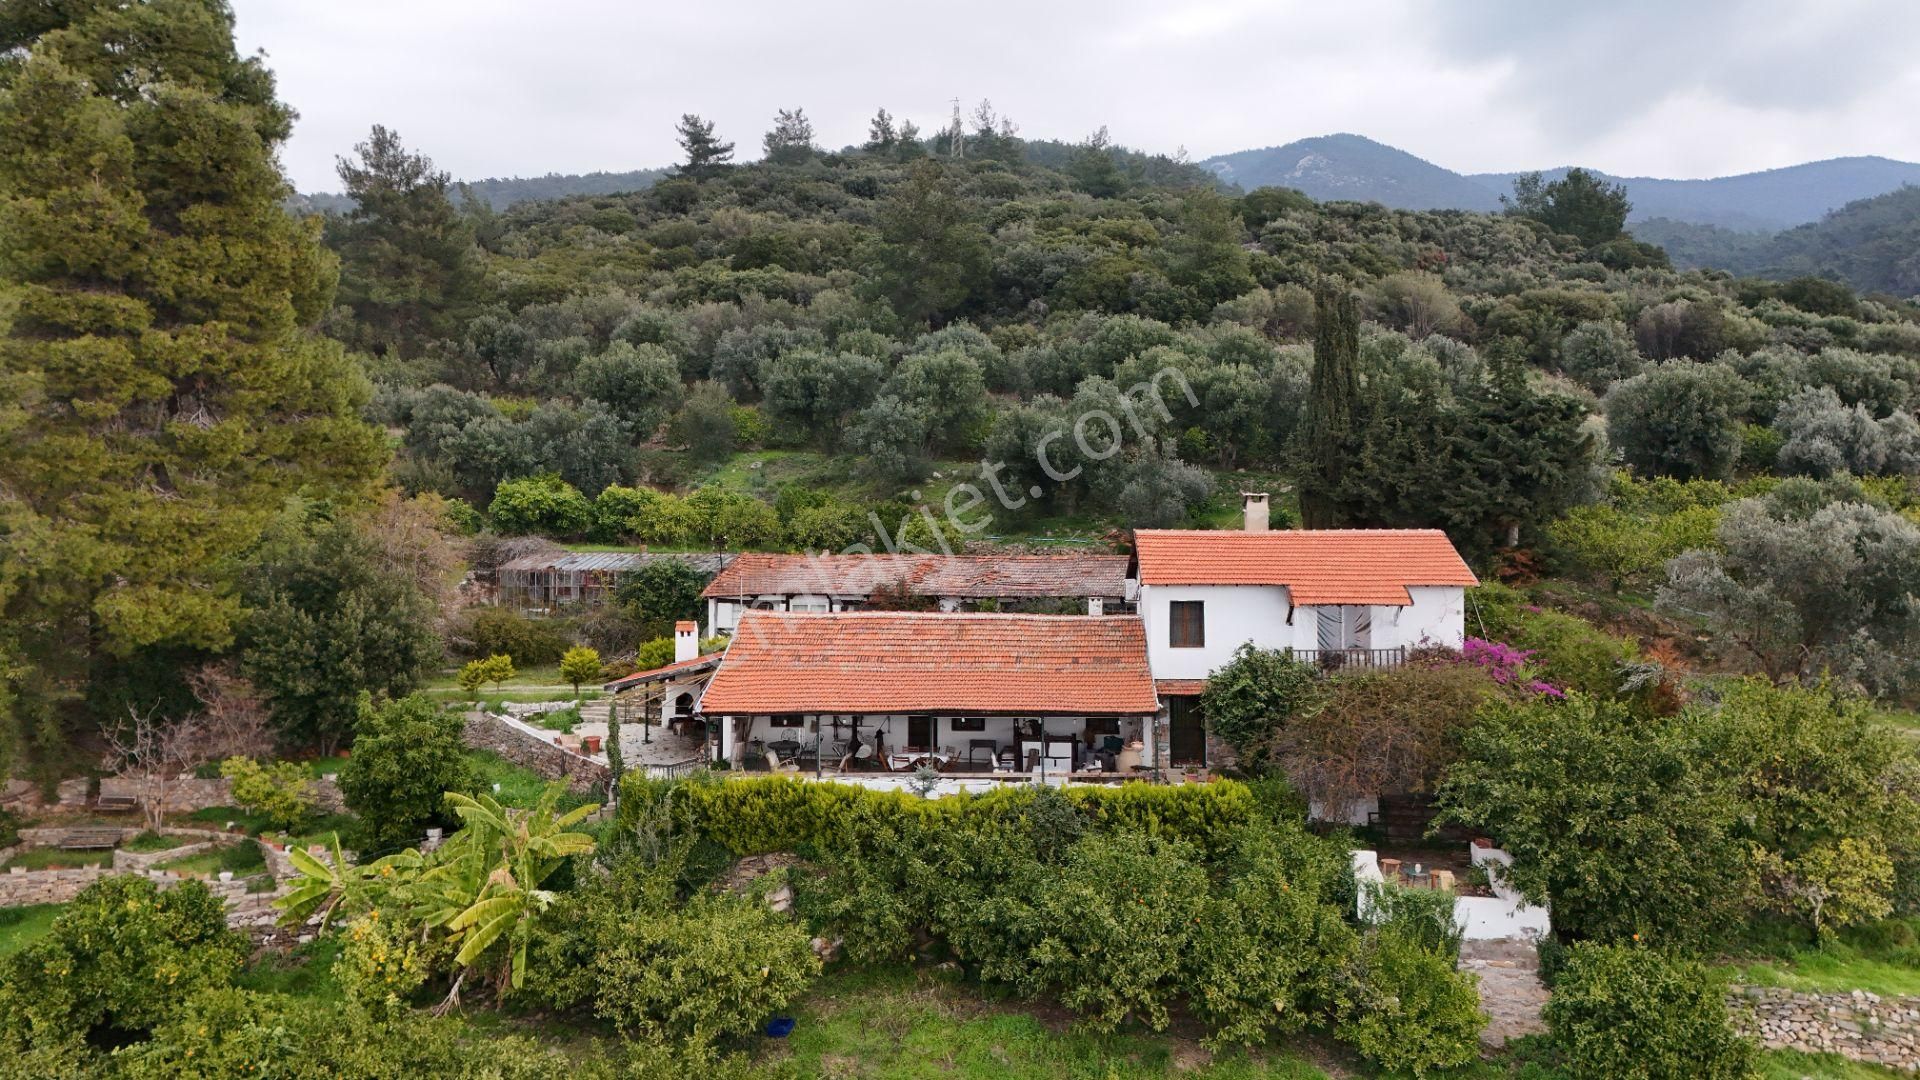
(1510, 988)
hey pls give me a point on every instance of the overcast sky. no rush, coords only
(1682, 88)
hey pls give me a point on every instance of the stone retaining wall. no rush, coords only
(1855, 1024)
(125, 861)
(519, 744)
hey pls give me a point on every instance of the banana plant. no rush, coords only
(326, 885)
(521, 849)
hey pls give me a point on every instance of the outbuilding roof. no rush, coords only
(921, 662)
(678, 670)
(1318, 566)
(982, 576)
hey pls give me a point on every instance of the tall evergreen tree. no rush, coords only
(707, 156)
(410, 272)
(165, 394)
(933, 256)
(1093, 169)
(791, 140)
(1327, 436)
(881, 137)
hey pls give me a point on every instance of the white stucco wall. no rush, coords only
(1438, 617)
(1235, 614)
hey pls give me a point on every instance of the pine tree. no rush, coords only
(1093, 169)
(1333, 394)
(791, 140)
(707, 156)
(165, 394)
(409, 269)
(881, 138)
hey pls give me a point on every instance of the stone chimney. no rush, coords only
(686, 640)
(1254, 505)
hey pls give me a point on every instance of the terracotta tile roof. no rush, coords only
(674, 670)
(1320, 566)
(1180, 687)
(925, 575)
(900, 662)
(685, 626)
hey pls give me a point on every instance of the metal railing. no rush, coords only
(1351, 659)
(675, 770)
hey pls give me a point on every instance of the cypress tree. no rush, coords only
(164, 392)
(1333, 396)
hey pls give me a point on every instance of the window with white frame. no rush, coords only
(811, 605)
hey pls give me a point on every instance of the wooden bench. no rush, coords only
(88, 839)
(116, 804)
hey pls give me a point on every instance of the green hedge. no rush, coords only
(780, 813)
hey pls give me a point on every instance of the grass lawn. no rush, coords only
(243, 859)
(306, 972)
(915, 1024)
(517, 786)
(20, 926)
(1787, 1065)
(55, 859)
(1882, 957)
(216, 817)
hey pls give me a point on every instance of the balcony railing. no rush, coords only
(1351, 659)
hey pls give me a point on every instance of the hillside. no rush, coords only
(1354, 167)
(1767, 200)
(502, 192)
(1872, 244)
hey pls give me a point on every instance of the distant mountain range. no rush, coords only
(1354, 167)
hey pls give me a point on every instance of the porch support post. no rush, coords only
(726, 739)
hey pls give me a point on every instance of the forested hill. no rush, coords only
(1872, 245)
(1353, 167)
(502, 192)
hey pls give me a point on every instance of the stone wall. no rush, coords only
(1854, 1024)
(519, 744)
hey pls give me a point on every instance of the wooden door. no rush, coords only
(1186, 732)
(919, 732)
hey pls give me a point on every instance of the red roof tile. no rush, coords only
(1318, 566)
(1180, 687)
(924, 575)
(674, 670)
(901, 662)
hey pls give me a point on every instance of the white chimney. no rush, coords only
(1096, 605)
(1254, 505)
(686, 640)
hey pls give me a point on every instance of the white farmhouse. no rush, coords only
(1336, 597)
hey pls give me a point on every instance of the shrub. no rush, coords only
(486, 631)
(1627, 1010)
(1110, 928)
(406, 755)
(121, 956)
(580, 665)
(1270, 945)
(542, 504)
(1568, 652)
(478, 673)
(1422, 915)
(1256, 692)
(1415, 1013)
(283, 792)
(381, 963)
(716, 968)
(1679, 419)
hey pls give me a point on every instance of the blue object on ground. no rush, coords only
(780, 1027)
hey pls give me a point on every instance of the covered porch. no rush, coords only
(1015, 748)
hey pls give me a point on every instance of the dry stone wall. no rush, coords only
(518, 743)
(1854, 1024)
